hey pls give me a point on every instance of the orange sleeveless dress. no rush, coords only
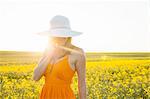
(58, 83)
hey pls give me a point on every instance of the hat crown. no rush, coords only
(60, 27)
(59, 21)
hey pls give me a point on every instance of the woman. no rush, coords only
(60, 61)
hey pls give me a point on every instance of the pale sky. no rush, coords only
(107, 25)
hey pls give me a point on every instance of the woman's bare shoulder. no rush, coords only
(79, 58)
(77, 51)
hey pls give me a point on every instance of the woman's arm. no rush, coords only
(81, 71)
(42, 65)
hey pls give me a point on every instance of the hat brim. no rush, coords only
(59, 33)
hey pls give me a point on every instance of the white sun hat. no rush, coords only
(59, 27)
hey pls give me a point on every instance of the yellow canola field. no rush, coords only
(110, 79)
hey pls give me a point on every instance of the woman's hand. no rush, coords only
(43, 63)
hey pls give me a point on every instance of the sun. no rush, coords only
(40, 44)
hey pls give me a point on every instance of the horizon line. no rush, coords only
(85, 51)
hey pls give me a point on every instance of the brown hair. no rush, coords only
(68, 41)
